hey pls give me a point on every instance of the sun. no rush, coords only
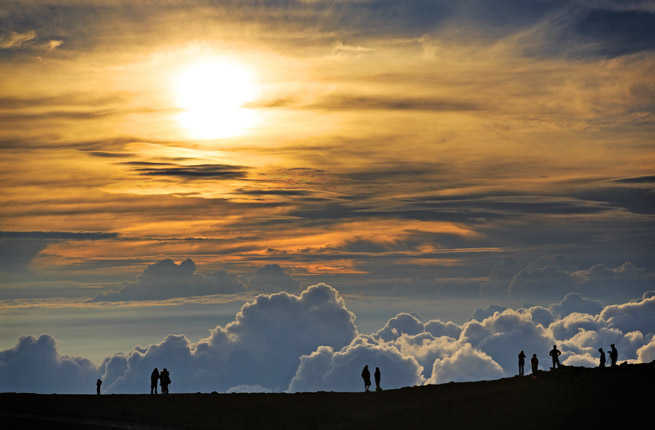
(212, 94)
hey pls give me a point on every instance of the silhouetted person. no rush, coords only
(554, 354)
(521, 363)
(377, 379)
(98, 384)
(614, 355)
(602, 358)
(154, 378)
(366, 376)
(164, 381)
(535, 364)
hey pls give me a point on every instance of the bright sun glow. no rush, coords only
(212, 94)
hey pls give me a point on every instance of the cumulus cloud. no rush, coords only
(646, 353)
(326, 369)
(35, 365)
(482, 313)
(403, 323)
(502, 335)
(574, 302)
(309, 341)
(261, 346)
(631, 316)
(167, 279)
(466, 364)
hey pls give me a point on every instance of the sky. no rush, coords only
(165, 165)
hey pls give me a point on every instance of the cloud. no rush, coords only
(631, 316)
(35, 365)
(310, 342)
(567, 327)
(14, 39)
(198, 171)
(328, 370)
(261, 346)
(167, 279)
(483, 313)
(646, 353)
(544, 281)
(584, 360)
(466, 364)
(272, 278)
(402, 323)
(574, 302)
(502, 335)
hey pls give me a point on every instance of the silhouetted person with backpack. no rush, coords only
(554, 354)
(164, 380)
(614, 355)
(377, 379)
(602, 358)
(154, 378)
(366, 376)
(535, 364)
(98, 384)
(521, 363)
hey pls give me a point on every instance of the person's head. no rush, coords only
(600, 349)
(522, 352)
(554, 346)
(534, 355)
(612, 345)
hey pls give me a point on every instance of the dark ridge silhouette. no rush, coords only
(617, 397)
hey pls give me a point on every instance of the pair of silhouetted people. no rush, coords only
(163, 378)
(98, 384)
(366, 376)
(554, 354)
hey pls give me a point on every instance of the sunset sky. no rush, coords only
(163, 162)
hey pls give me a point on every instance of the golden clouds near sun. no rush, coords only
(212, 94)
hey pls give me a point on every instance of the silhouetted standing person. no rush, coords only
(602, 358)
(164, 380)
(366, 376)
(377, 379)
(614, 355)
(521, 363)
(154, 378)
(98, 384)
(535, 364)
(554, 354)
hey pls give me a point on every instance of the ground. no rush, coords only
(568, 397)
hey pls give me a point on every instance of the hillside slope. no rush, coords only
(560, 399)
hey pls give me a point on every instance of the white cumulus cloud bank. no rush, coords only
(309, 341)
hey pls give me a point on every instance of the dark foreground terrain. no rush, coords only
(568, 397)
